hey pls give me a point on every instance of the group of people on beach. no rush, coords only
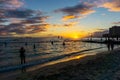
(110, 44)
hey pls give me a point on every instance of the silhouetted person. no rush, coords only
(108, 44)
(22, 55)
(26, 44)
(34, 47)
(101, 39)
(63, 44)
(112, 45)
(5, 43)
(52, 42)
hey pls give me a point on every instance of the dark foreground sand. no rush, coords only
(103, 66)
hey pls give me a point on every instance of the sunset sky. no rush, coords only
(68, 18)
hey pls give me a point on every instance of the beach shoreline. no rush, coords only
(88, 64)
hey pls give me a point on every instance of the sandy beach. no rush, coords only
(102, 66)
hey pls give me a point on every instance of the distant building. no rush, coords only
(99, 34)
(114, 31)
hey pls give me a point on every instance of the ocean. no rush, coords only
(41, 51)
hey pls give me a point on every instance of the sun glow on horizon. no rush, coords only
(74, 35)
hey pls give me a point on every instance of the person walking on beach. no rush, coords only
(22, 55)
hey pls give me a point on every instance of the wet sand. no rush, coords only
(102, 66)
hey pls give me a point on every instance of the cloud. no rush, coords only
(19, 19)
(73, 12)
(10, 4)
(36, 24)
(36, 28)
(36, 19)
(67, 24)
(20, 29)
(14, 20)
(68, 17)
(116, 23)
(101, 29)
(71, 24)
(17, 28)
(113, 5)
(81, 9)
(2, 20)
(13, 9)
(19, 13)
(103, 14)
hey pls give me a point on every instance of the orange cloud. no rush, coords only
(113, 5)
(66, 24)
(87, 12)
(71, 24)
(68, 17)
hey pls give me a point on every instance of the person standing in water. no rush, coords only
(108, 44)
(25, 43)
(22, 55)
(34, 47)
(63, 44)
(52, 42)
(5, 43)
(112, 44)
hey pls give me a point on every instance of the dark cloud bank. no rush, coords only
(29, 21)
